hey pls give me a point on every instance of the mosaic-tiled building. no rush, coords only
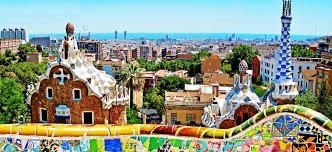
(73, 91)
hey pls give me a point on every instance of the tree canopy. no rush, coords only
(24, 73)
(239, 53)
(23, 49)
(193, 66)
(172, 83)
(12, 101)
(132, 116)
(307, 99)
(301, 51)
(320, 102)
(8, 58)
(154, 99)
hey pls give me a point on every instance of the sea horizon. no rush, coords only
(178, 36)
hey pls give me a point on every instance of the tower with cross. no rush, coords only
(283, 89)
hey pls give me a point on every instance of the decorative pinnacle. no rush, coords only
(287, 8)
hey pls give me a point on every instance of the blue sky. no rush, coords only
(230, 16)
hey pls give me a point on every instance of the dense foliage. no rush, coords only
(301, 51)
(15, 76)
(155, 97)
(172, 83)
(193, 66)
(24, 49)
(239, 53)
(260, 91)
(320, 102)
(307, 99)
(24, 73)
(12, 101)
(132, 116)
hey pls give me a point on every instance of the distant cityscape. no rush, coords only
(181, 36)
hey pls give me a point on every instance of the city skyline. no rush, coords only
(147, 16)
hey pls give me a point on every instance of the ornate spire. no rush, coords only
(287, 8)
(283, 90)
(70, 29)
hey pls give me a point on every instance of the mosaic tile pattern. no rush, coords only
(283, 133)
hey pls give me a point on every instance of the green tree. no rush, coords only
(163, 65)
(8, 58)
(154, 100)
(45, 54)
(301, 51)
(26, 72)
(131, 75)
(23, 49)
(324, 104)
(227, 68)
(172, 83)
(201, 55)
(239, 53)
(11, 101)
(195, 66)
(307, 99)
(132, 116)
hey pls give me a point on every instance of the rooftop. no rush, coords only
(309, 74)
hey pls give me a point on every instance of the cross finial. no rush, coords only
(62, 76)
(287, 7)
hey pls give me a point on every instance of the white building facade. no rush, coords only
(269, 67)
(307, 80)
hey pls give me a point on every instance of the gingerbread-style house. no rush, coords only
(240, 104)
(73, 91)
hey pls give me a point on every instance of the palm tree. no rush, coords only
(131, 76)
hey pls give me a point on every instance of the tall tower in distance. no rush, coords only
(125, 35)
(116, 35)
(283, 90)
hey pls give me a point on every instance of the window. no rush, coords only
(318, 85)
(271, 73)
(308, 68)
(173, 118)
(49, 93)
(77, 94)
(88, 117)
(320, 75)
(300, 68)
(43, 115)
(190, 117)
(326, 76)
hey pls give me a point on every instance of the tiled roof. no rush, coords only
(309, 74)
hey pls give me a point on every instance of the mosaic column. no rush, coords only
(284, 71)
